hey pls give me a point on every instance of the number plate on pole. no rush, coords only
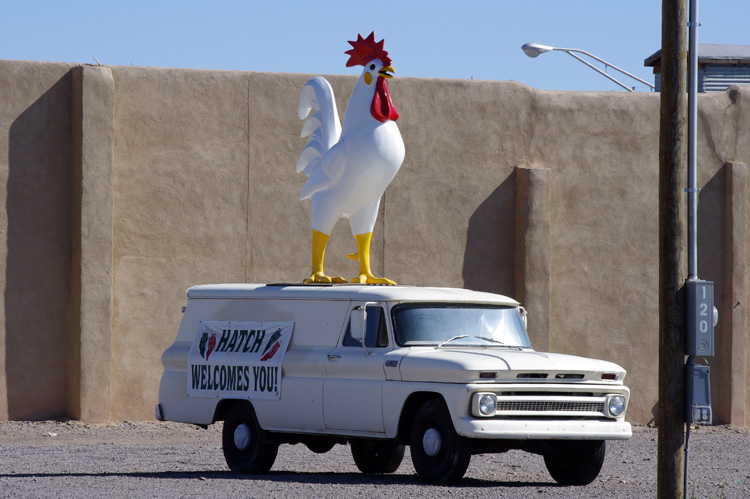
(699, 324)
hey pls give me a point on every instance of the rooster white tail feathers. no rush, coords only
(323, 125)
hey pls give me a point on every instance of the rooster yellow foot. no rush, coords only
(371, 279)
(320, 278)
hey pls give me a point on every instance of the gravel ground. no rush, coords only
(70, 459)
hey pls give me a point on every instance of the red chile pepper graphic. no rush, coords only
(211, 344)
(271, 352)
(275, 336)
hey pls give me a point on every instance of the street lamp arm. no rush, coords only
(603, 73)
(606, 64)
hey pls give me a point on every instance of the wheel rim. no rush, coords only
(242, 436)
(431, 442)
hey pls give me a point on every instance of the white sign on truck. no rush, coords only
(238, 359)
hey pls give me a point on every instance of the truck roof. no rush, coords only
(359, 292)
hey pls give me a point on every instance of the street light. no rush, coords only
(534, 49)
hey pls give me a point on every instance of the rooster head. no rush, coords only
(370, 54)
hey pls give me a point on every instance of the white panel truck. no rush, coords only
(449, 372)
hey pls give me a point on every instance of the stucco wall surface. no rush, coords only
(549, 196)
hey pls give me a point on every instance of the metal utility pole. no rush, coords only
(692, 167)
(672, 248)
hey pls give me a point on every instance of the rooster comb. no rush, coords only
(365, 50)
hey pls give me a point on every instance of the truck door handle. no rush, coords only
(333, 358)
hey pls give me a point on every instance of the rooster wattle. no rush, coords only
(349, 167)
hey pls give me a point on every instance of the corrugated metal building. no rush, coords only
(719, 66)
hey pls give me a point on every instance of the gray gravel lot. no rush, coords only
(70, 459)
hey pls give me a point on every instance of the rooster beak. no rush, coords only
(386, 72)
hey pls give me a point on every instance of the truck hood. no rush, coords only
(462, 365)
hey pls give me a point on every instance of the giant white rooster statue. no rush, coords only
(349, 167)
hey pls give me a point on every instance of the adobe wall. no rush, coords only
(550, 197)
(35, 157)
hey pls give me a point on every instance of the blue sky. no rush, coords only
(433, 39)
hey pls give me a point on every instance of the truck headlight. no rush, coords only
(616, 405)
(486, 404)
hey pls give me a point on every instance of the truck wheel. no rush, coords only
(246, 449)
(577, 462)
(439, 454)
(377, 457)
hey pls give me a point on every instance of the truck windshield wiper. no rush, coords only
(454, 338)
(486, 338)
(493, 340)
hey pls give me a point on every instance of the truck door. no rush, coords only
(353, 389)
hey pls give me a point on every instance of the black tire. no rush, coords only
(372, 456)
(439, 454)
(576, 462)
(246, 449)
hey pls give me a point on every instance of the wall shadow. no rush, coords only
(37, 268)
(712, 238)
(489, 259)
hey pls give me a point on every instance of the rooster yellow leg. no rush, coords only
(320, 241)
(363, 255)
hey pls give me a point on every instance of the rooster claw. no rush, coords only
(371, 279)
(321, 278)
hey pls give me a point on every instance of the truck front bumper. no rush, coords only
(529, 429)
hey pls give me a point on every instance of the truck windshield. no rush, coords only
(420, 324)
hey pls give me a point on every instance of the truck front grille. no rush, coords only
(546, 406)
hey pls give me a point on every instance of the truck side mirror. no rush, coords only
(358, 323)
(524, 316)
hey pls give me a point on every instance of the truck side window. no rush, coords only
(377, 332)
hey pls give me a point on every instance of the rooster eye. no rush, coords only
(372, 66)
